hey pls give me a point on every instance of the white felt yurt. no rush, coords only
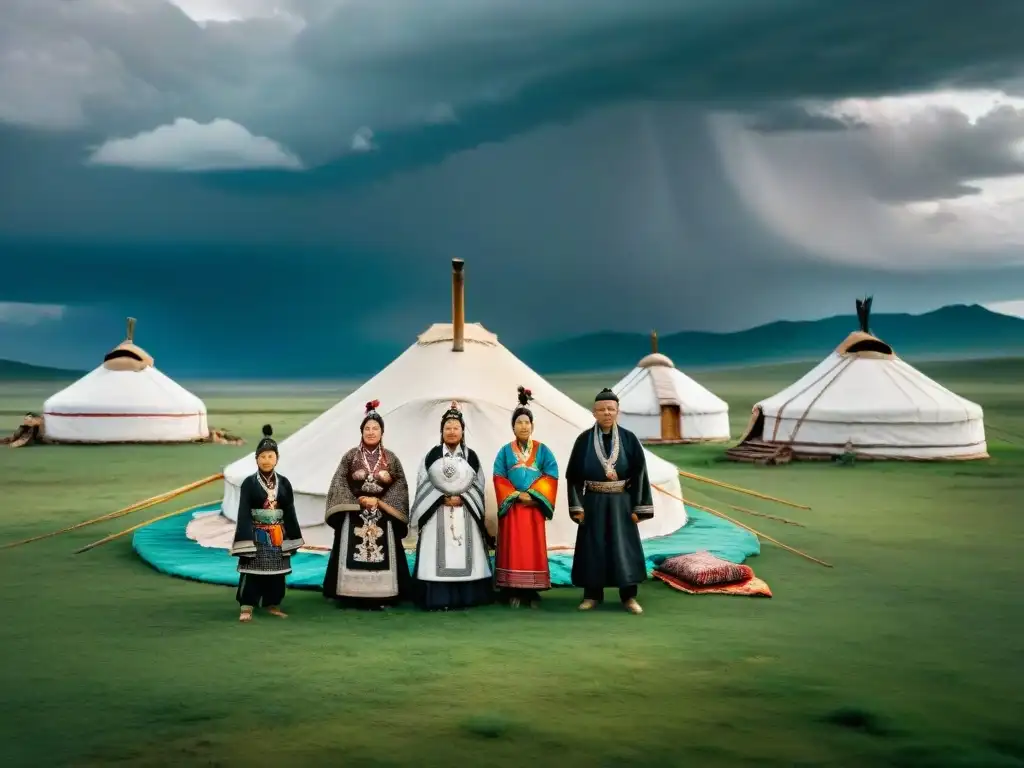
(863, 399)
(449, 361)
(125, 400)
(661, 404)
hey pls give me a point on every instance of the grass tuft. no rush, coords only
(856, 719)
(487, 726)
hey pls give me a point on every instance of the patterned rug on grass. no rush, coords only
(752, 587)
(166, 548)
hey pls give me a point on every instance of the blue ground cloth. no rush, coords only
(165, 546)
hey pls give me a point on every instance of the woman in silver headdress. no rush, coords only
(453, 569)
(368, 508)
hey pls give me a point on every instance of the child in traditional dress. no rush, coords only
(266, 535)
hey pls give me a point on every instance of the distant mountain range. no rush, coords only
(11, 370)
(954, 331)
(950, 332)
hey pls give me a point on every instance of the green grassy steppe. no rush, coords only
(909, 652)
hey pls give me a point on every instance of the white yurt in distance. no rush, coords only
(449, 361)
(661, 404)
(865, 400)
(125, 400)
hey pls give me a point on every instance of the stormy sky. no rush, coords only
(284, 182)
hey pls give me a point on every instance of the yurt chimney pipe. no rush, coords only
(864, 314)
(131, 329)
(654, 342)
(458, 304)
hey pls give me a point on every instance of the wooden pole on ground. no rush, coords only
(137, 506)
(766, 515)
(738, 489)
(776, 542)
(741, 525)
(754, 512)
(136, 527)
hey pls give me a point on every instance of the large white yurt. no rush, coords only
(661, 404)
(125, 400)
(863, 399)
(449, 361)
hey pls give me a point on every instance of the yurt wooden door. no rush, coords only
(670, 422)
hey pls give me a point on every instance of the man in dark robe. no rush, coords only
(609, 494)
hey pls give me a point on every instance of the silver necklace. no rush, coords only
(448, 468)
(370, 484)
(451, 526)
(363, 453)
(608, 462)
(269, 485)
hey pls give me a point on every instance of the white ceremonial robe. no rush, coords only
(450, 546)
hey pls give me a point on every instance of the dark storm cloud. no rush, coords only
(633, 198)
(505, 66)
(937, 153)
(576, 155)
(959, 149)
(573, 55)
(788, 118)
(537, 69)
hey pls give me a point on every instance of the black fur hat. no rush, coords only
(606, 394)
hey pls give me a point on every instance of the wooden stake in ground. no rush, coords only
(137, 506)
(741, 525)
(738, 489)
(136, 527)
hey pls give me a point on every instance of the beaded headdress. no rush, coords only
(453, 412)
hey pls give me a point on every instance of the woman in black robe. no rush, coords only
(368, 508)
(266, 533)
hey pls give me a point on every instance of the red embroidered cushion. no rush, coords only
(704, 569)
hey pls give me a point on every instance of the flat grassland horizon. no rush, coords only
(906, 653)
